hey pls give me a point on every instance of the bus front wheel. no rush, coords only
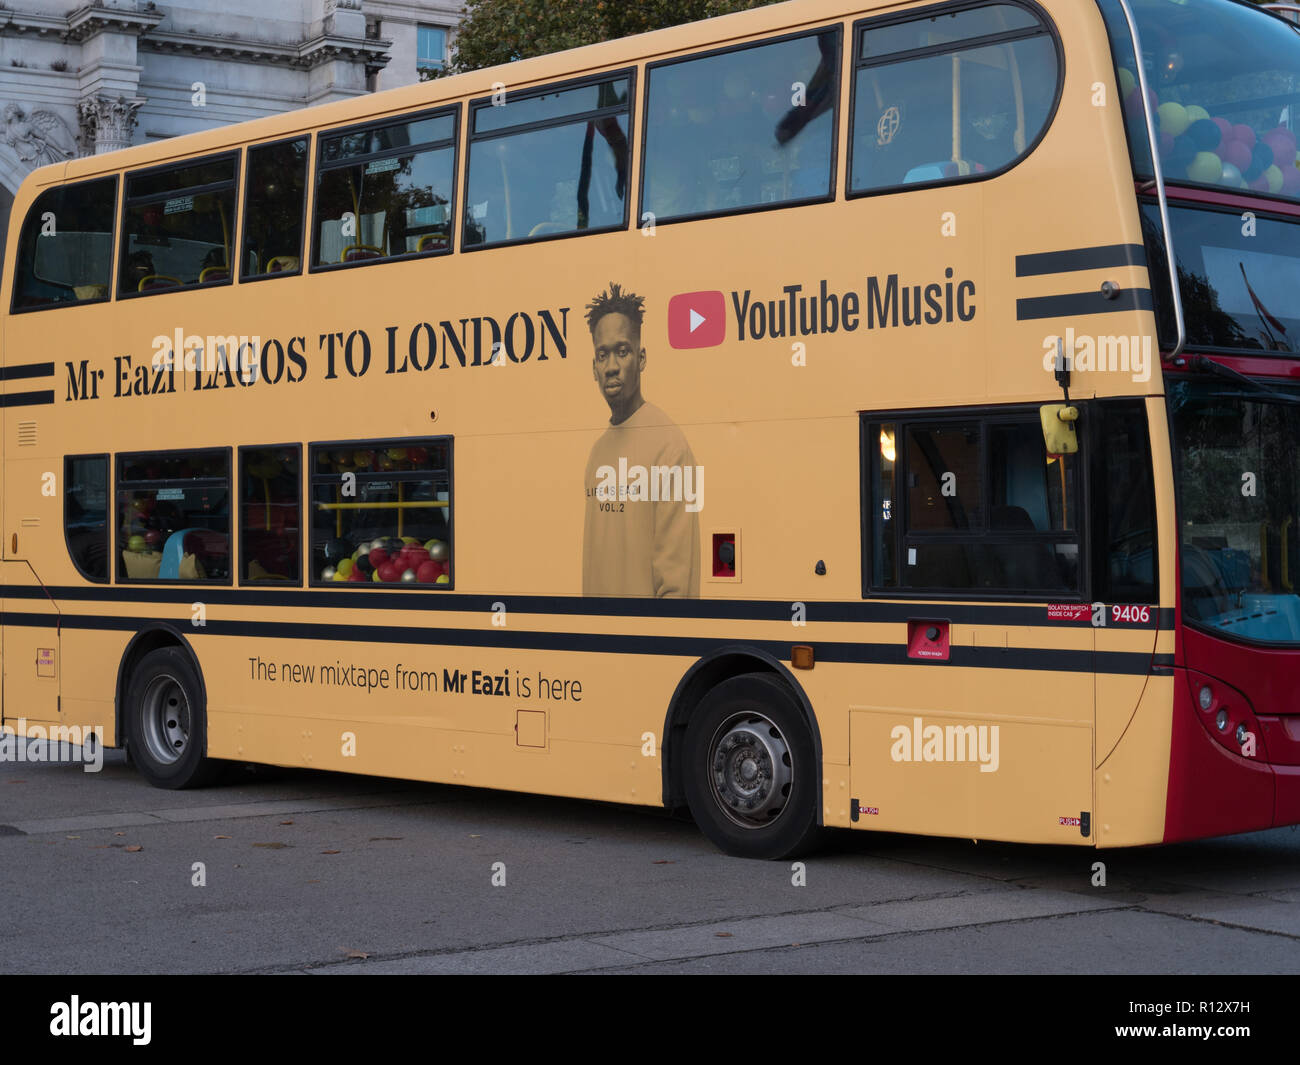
(167, 722)
(751, 774)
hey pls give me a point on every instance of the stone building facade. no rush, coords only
(77, 79)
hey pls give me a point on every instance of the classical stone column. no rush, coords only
(107, 123)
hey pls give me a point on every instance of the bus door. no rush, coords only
(32, 530)
(1126, 616)
(986, 730)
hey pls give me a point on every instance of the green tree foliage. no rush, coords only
(499, 31)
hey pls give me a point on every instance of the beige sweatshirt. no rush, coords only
(634, 544)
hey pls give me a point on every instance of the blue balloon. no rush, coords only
(1205, 135)
(1261, 158)
(1182, 154)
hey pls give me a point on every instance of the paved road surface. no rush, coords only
(317, 873)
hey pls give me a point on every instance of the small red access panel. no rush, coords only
(927, 639)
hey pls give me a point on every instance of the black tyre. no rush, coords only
(751, 773)
(166, 722)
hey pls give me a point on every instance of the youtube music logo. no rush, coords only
(697, 319)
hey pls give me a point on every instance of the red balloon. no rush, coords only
(390, 571)
(428, 572)
(1237, 154)
(1244, 133)
(378, 557)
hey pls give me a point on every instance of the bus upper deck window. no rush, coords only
(273, 209)
(384, 191)
(178, 226)
(949, 97)
(747, 128)
(549, 162)
(65, 252)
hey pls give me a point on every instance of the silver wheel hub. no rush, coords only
(165, 716)
(751, 770)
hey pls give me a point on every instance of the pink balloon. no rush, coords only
(1283, 143)
(1237, 154)
(1244, 133)
(1166, 144)
(1260, 184)
(1290, 181)
(1225, 129)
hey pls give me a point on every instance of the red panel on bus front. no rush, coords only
(1269, 678)
(1211, 792)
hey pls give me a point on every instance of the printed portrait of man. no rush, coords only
(644, 491)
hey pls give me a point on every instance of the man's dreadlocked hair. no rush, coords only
(616, 301)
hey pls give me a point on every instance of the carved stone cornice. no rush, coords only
(93, 18)
(304, 56)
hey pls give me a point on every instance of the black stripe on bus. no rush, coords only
(1075, 303)
(27, 369)
(1031, 658)
(875, 611)
(1063, 262)
(27, 399)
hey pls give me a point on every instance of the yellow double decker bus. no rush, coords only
(838, 414)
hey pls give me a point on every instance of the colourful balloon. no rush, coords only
(1244, 133)
(1127, 82)
(1283, 143)
(1173, 118)
(1261, 158)
(1208, 168)
(1237, 154)
(1205, 135)
(1195, 113)
(1273, 175)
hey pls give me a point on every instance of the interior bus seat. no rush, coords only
(354, 253)
(153, 281)
(214, 273)
(283, 264)
(432, 242)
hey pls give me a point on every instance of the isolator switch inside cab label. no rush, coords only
(1068, 611)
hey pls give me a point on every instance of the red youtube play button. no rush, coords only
(697, 319)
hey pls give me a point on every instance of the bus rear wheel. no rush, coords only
(167, 722)
(751, 775)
